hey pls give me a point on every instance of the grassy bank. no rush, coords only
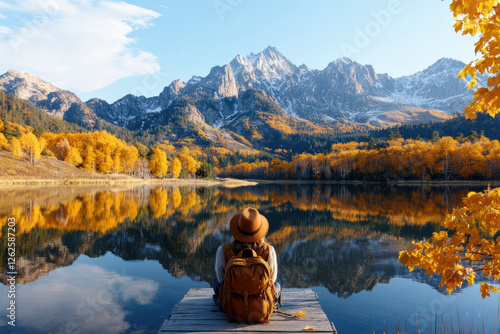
(50, 171)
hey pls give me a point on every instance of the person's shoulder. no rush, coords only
(271, 248)
(221, 247)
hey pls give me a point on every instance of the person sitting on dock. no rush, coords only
(245, 287)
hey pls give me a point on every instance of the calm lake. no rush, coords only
(116, 260)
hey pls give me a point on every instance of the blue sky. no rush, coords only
(108, 49)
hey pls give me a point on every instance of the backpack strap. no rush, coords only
(264, 252)
(228, 252)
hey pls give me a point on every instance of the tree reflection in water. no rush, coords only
(345, 238)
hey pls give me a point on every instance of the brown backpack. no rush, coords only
(247, 291)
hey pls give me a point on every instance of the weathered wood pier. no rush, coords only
(196, 313)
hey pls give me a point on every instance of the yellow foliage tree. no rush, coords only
(158, 163)
(191, 164)
(176, 167)
(89, 158)
(32, 146)
(130, 156)
(481, 18)
(4, 143)
(187, 161)
(74, 157)
(16, 148)
(470, 246)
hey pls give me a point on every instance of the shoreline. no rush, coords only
(119, 180)
(112, 180)
(438, 183)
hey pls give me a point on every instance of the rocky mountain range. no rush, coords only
(55, 101)
(294, 97)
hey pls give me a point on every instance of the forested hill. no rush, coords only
(18, 111)
(284, 145)
(21, 112)
(490, 127)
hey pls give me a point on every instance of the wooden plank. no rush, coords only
(289, 292)
(290, 324)
(284, 304)
(195, 314)
(207, 301)
(295, 331)
(222, 316)
(320, 327)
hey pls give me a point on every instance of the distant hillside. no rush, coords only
(489, 125)
(18, 111)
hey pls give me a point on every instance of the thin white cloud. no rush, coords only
(85, 296)
(79, 45)
(4, 30)
(2, 16)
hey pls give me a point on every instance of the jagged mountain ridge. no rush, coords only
(343, 90)
(44, 95)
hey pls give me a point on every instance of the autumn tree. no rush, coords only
(176, 168)
(187, 161)
(130, 155)
(89, 158)
(16, 147)
(141, 169)
(74, 157)
(4, 143)
(471, 244)
(158, 163)
(32, 146)
(481, 18)
(62, 147)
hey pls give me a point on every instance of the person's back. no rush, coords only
(247, 270)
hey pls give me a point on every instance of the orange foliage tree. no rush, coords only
(16, 147)
(481, 18)
(445, 158)
(158, 163)
(32, 146)
(4, 143)
(176, 168)
(96, 151)
(471, 245)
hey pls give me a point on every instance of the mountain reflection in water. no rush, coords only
(345, 238)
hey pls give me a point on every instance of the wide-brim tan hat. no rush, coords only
(249, 225)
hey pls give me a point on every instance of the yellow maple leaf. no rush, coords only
(300, 314)
(307, 328)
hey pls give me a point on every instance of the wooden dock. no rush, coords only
(197, 313)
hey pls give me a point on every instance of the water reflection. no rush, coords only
(345, 238)
(95, 297)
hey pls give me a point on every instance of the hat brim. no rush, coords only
(243, 237)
